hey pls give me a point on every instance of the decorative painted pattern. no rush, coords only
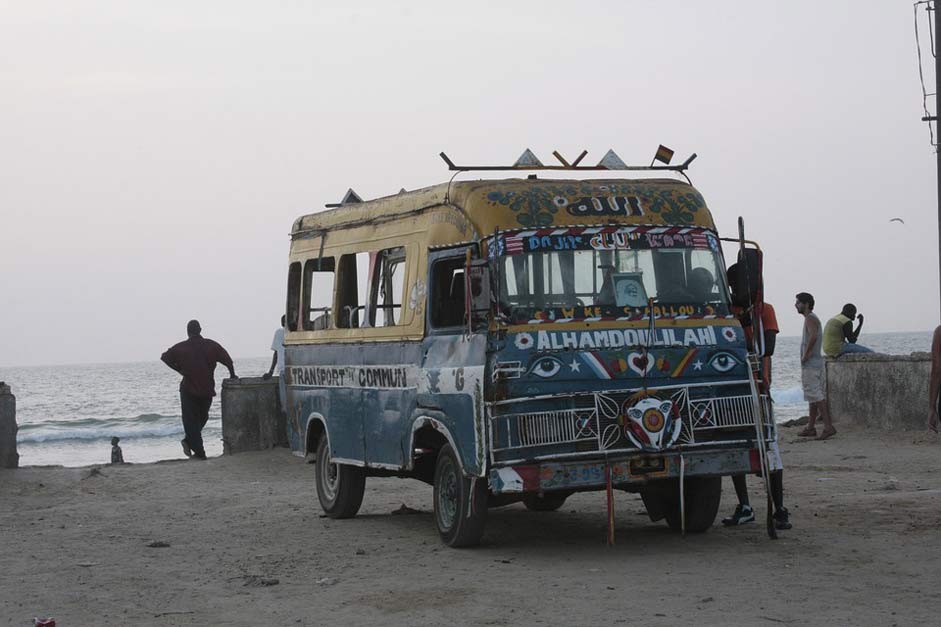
(538, 204)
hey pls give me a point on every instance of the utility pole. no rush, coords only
(937, 111)
(931, 7)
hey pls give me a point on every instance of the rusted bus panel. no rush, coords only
(371, 210)
(508, 204)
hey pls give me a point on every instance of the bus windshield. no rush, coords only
(612, 274)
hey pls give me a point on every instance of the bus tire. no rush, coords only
(547, 502)
(340, 487)
(702, 503)
(460, 503)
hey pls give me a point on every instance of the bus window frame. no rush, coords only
(307, 283)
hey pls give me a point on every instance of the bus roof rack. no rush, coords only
(350, 198)
(610, 161)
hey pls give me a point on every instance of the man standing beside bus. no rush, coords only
(196, 359)
(812, 369)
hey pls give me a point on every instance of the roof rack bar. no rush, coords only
(566, 166)
(597, 168)
(450, 163)
(555, 153)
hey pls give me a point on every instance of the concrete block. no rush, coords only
(9, 458)
(880, 392)
(252, 419)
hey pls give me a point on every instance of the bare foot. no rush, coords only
(807, 432)
(827, 432)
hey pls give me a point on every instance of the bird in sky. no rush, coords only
(897, 220)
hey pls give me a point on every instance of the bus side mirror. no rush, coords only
(745, 278)
(477, 290)
(737, 285)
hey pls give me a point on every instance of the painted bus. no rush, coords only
(520, 339)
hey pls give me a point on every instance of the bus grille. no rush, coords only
(556, 427)
(596, 422)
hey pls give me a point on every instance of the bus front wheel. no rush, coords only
(702, 496)
(460, 502)
(340, 487)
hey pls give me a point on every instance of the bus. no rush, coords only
(521, 339)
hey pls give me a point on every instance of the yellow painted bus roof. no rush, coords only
(513, 204)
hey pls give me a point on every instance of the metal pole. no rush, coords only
(937, 112)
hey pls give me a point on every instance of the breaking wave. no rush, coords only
(789, 396)
(142, 426)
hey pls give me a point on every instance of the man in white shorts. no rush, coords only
(812, 370)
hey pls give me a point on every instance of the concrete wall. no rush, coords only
(9, 458)
(881, 392)
(252, 419)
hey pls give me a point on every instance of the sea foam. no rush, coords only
(788, 396)
(142, 426)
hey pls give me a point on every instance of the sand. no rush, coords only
(246, 545)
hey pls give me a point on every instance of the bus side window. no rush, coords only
(294, 295)
(318, 293)
(447, 293)
(387, 287)
(352, 289)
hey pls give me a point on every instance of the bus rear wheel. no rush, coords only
(340, 487)
(460, 503)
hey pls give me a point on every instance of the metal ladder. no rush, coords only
(754, 361)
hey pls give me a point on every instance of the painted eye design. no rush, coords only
(546, 367)
(723, 362)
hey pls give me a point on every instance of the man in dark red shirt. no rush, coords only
(196, 360)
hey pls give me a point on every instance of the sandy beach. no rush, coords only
(240, 541)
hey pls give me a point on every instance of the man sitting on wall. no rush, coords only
(839, 337)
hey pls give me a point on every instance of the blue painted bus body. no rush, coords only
(370, 398)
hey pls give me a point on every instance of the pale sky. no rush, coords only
(153, 155)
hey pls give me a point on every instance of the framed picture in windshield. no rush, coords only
(629, 289)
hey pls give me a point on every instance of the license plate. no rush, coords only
(648, 465)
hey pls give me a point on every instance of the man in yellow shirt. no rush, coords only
(839, 337)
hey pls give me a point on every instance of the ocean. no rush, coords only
(68, 414)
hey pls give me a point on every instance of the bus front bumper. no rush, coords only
(626, 472)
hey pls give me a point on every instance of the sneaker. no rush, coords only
(782, 519)
(743, 514)
(186, 448)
